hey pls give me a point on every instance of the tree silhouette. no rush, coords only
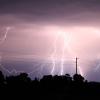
(56, 87)
(2, 80)
(78, 78)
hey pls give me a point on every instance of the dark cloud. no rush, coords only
(58, 11)
(40, 6)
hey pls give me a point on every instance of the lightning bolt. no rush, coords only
(62, 59)
(53, 58)
(10, 72)
(63, 54)
(66, 39)
(1, 42)
(5, 35)
(80, 70)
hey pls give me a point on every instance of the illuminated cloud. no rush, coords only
(36, 24)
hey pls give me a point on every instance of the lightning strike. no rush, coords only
(5, 35)
(53, 56)
(65, 40)
(1, 42)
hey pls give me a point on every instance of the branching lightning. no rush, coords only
(5, 35)
(65, 37)
(2, 40)
(53, 55)
(65, 41)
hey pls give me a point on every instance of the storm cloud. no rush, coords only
(34, 25)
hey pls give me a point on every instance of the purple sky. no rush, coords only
(36, 24)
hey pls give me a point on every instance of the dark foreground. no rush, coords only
(48, 88)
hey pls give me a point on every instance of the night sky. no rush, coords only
(37, 35)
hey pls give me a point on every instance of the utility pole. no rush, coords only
(76, 65)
